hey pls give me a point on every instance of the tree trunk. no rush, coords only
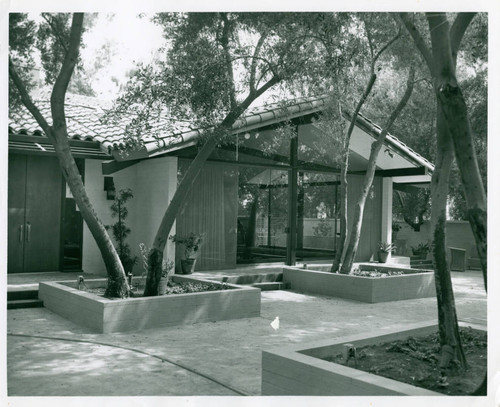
(453, 133)
(117, 282)
(176, 204)
(58, 136)
(447, 316)
(343, 218)
(368, 180)
(445, 43)
(179, 199)
(455, 113)
(343, 174)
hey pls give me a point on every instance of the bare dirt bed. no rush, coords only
(415, 361)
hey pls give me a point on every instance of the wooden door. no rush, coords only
(35, 229)
(16, 221)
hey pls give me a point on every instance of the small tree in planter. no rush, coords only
(120, 230)
(192, 244)
(384, 249)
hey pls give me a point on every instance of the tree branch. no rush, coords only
(394, 39)
(26, 99)
(361, 101)
(55, 31)
(370, 43)
(381, 50)
(62, 81)
(402, 103)
(253, 67)
(227, 56)
(418, 40)
(457, 31)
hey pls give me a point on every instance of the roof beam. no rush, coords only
(396, 172)
(110, 167)
(401, 172)
(406, 187)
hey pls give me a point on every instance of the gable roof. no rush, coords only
(83, 115)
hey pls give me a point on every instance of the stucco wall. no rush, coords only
(153, 183)
(372, 227)
(458, 234)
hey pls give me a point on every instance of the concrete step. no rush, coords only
(252, 278)
(30, 303)
(28, 294)
(271, 286)
(400, 260)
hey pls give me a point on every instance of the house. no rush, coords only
(268, 193)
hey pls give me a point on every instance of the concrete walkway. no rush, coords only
(50, 356)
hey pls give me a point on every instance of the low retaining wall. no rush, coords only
(298, 370)
(116, 315)
(413, 284)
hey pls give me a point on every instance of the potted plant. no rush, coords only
(120, 230)
(421, 250)
(384, 249)
(192, 244)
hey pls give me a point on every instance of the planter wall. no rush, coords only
(414, 284)
(298, 370)
(117, 315)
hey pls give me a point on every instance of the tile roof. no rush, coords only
(84, 123)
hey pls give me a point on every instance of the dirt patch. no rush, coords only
(415, 361)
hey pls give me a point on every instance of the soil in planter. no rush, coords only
(415, 361)
(376, 273)
(173, 288)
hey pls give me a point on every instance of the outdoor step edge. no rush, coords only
(17, 304)
(22, 295)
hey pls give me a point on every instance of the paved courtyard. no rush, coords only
(50, 356)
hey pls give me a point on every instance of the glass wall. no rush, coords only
(262, 215)
(317, 215)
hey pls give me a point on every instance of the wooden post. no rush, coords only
(291, 249)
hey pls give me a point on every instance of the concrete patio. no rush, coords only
(50, 356)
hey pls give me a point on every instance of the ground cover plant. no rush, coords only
(416, 361)
(137, 288)
(376, 273)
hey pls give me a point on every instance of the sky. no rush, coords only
(121, 30)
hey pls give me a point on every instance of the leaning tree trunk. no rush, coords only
(117, 282)
(58, 136)
(368, 180)
(448, 325)
(339, 258)
(155, 256)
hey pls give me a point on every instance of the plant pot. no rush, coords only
(419, 255)
(187, 266)
(162, 287)
(383, 256)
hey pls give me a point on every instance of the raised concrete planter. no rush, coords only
(298, 370)
(116, 315)
(413, 284)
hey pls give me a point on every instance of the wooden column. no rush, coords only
(291, 249)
